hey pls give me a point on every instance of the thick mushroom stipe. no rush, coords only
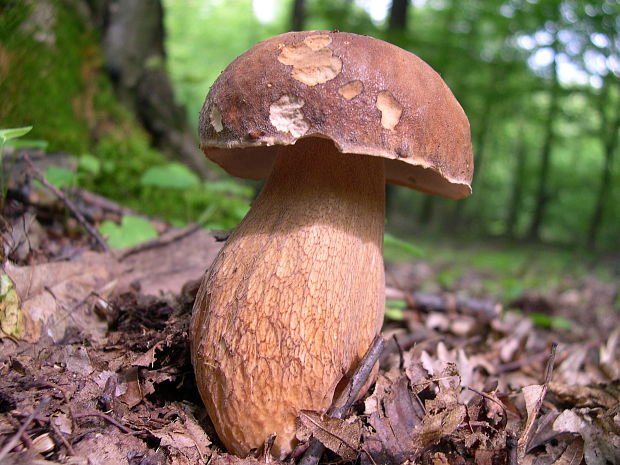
(295, 297)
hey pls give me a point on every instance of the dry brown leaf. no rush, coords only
(339, 436)
(165, 269)
(587, 396)
(134, 392)
(394, 412)
(57, 294)
(148, 358)
(573, 454)
(436, 426)
(51, 293)
(534, 396)
(601, 445)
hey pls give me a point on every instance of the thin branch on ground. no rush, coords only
(12, 442)
(486, 309)
(68, 203)
(107, 418)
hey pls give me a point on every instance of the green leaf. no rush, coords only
(228, 186)
(89, 163)
(394, 309)
(391, 241)
(170, 176)
(60, 177)
(132, 230)
(39, 144)
(12, 133)
(549, 321)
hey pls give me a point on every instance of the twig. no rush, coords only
(13, 441)
(69, 204)
(107, 418)
(511, 450)
(517, 364)
(58, 433)
(550, 363)
(488, 397)
(97, 201)
(346, 398)
(447, 302)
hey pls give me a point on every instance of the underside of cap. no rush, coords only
(368, 96)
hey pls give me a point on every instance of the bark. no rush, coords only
(298, 17)
(133, 43)
(609, 137)
(543, 191)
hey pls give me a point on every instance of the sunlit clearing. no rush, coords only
(264, 10)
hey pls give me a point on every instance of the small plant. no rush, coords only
(132, 231)
(5, 136)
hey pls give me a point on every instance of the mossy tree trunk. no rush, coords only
(59, 59)
(132, 36)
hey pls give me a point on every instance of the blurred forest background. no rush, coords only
(119, 84)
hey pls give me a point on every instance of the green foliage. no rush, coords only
(170, 176)
(44, 66)
(13, 133)
(394, 309)
(552, 322)
(394, 247)
(488, 52)
(204, 37)
(7, 135)
(89, 164)
(133, 230)
(61, 177)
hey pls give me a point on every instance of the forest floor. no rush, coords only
(95, 366)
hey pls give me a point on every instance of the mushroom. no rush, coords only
(296, 296)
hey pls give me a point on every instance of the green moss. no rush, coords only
(44, 66)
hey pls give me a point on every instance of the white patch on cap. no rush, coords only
(312, 61)
(216, 118)
(390, 109)
(351, 89)
(286, 115)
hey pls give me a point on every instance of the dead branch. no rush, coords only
(68, 203)
(13, 441)
(479, 308)
(107, 418)
(95, 201)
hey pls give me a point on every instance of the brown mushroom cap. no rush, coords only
(366, 95)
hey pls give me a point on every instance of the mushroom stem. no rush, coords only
(295, 297)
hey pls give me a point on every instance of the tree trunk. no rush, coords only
(398, 15)
(397, 24)
(298, 17)
(133, 43)
(609, 138)
(480, 139)
(543, 193)
(516, 196)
